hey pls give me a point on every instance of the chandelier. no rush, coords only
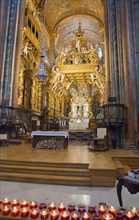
(41, 75)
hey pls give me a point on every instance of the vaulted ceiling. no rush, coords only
(63, 17)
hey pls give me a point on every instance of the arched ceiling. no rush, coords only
(63, 17)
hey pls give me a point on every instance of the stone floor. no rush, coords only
(66, 194)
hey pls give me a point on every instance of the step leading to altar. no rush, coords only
(80, 135)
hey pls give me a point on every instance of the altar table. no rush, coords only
(60, 136)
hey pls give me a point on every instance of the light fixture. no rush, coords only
(41, 75)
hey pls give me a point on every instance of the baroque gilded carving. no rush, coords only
(21, 82)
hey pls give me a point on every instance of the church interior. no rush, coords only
(69, 96)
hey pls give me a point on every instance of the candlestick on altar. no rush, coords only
(65, 215)
(15, 210)
(6, 202)
(54, 214)
(44, 213)
(61, 207)
(75, 215)
(5, 210)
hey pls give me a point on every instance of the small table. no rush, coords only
(130, 183)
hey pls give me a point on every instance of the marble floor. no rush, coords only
(66, 194)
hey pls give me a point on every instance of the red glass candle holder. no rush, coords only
(15, 210)
(65, 215)
(33, 205)
(15, 202)
(75, 215)
(5, 210)
(24, 211)
(24, 204)
(54, 214)
(133, 210)
(91, 209)
(71, 207)
(42, 206)
(108, 216)
(119, 215)
(81, 208)
(61, 207)
(102, 209)
(96, 216)
(44, 213)
(112, 210)
(52, 206)
(34, 213)
(129, 215)
(86, 216)
(6, 202)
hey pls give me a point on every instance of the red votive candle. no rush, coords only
(24, 204)
(6, 202)
(119, 215)
(52, 206)
(97, 216)
(15, 202)
(44, 213)
(15, 210)
(65, 215)
(134, 210)
(91, 209)
(75, 215)
(108, 216)
(61, 207)
(5, 210)
(102, 209)
(54, 214)
(130, 215)
(81, 208)
(33, 205)
(71, 207)
(42, 206)
(24, 211)
(34, 213)
(112, 210)
(86, 216)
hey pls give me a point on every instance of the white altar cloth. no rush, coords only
(51, 133)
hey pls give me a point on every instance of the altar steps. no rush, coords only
(49, 173)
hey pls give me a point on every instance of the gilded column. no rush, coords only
(52, 48)
(21, 83)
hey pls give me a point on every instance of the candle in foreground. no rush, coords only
(75, 215)
(112, 210)
(102, 209)
(5, 210)
(119, 215)
(86, 216)
(24, 211)
(34, 213)
(42, 205)
(24, 204)
(71, 207)
(130, 215)
(33, 205)
(91, 209)
(81, 208)
(54, 214)
(65, 215)
(15, 202)
(61, 207)
(52, 206)
(44, 213)
(6, 202)
(15, 210)
(108, 216)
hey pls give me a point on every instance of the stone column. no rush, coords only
(52, 48)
